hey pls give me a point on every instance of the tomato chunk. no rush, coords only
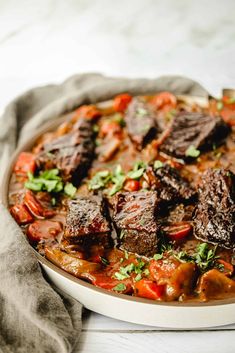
(227, 268)
(87, 111)
(25, 163)
(109, 127)
(21, 214)
(161, 270)
(43, 229)
(35, 206)
(178, 231)
(164, 100)
(132, 185)
(121, 102)
(149, 289)
(102, 280)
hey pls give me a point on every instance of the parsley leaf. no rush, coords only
(119, 287)
(118, 179)
(157, 164)
(157, 256)
(192, 152)
(99, 180)
(70, 190)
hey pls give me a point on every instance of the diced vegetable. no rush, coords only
(178, 231)
(132, 185)
(109, 127)
(21, 214)
(36, 207)
(121, 102)
(164, 100)
(87, 111)
(148, 289)
(25, 163)
(43, 229)
(70, 263)
(225, 267)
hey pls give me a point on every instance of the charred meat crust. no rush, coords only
(86, 221)
(135, 220)
(141, 122)
(71, 153)
(194, 129)
(214, 217)
(171, 188)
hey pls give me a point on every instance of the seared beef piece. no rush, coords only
(134, 218)
(140, 122)
(193, 129)
(169, 185)
(214, 217)
(71, 153)
(86, 221)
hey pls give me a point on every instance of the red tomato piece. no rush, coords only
(43, 229)
(25, 163)
(35, 206)
(228, 115)
(104, 281)
(227, 267)
(164, 99)
(21, 214)
(146, 288)
(120, 102)
(109, 127)
(178, 231)
(87, 111)
(132, 185)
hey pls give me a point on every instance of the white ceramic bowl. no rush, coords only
(124, 307)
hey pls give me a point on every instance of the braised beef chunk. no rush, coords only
(71, 153)
(86, 220)
(140, 122)
(134, 218)
(193, 129)
(169, 184)
(214, 217)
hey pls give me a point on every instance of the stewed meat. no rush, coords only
(169, 185)
(86, 221)
(140, 122)
(214, 218)
(71, 153)
(135, 220)
(193, 129)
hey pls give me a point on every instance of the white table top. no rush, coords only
(47, 41)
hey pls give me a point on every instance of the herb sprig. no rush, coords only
(49, 181)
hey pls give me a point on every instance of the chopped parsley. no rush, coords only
(141, 112)
(99, 180)
(119, 287)
(70, 190)
(157, 256)
(157, 164)
(138, 170)
(204, 257)
(192, 152)
(49, 181)
(118, 178)
(104, 261)
(138, 277)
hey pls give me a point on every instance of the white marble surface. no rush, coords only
(48, 40)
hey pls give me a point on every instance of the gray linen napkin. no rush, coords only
(34, 317)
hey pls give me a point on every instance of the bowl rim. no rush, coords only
(26, 146)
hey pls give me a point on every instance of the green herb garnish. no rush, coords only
(138, 277)
(99, 180)
(192, 152)
(70, 190)
(104, 261)
(118, 178)
(157, 164)
(119, 287)
(157, 256)
(49, 181)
